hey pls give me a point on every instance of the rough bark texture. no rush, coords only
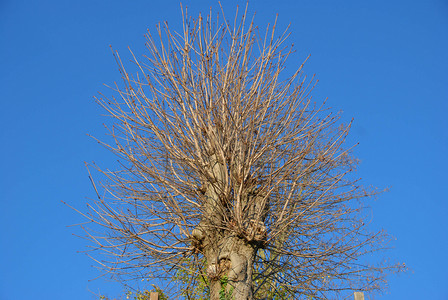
(230, 268)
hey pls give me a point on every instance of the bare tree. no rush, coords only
(230, 171)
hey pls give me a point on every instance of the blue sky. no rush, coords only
(383, 63)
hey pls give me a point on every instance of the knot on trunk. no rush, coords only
(255, 232)
(219, 267)
(238, 267)
(198, 238)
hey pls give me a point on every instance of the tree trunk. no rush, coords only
(229, 257)
(230, 269)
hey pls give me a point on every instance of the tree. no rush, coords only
(230, 174)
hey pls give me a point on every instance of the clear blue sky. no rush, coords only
(384, 63)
